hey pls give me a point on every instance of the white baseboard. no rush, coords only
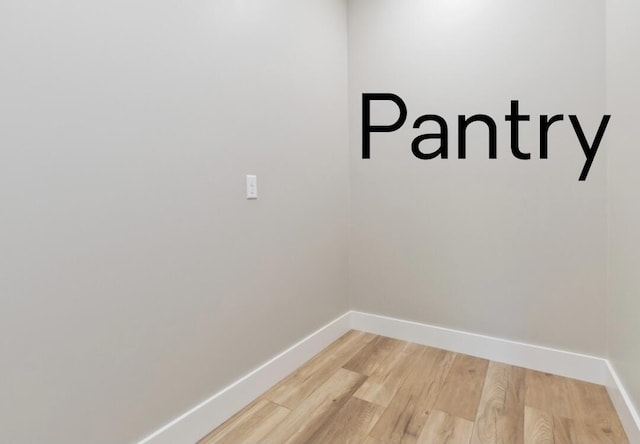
(198, 421)
(625, 408)
(544, 359)
(201, 419)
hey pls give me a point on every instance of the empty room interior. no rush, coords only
(319, 221)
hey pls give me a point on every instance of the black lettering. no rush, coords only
(367, 128)
(545, 124)
(443, 150)
(589, 151)
(515, 118)
(463, 122)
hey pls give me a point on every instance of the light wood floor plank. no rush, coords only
(591, 405)
(586, 433)
(292, 391)
(317, 408)
(353, 421)
(562, 430)
(404, 418)
(462, 388)
(570, 431)
(538, 426)
(371, 356)
(548, 393)
(386, 379)
(500, 418)
(443, 428)
(252, 425)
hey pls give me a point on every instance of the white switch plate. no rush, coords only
(252, 186)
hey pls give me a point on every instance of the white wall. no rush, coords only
(504, 247)
(623, 97)
(135, 279)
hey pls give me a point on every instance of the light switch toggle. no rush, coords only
(252, 186)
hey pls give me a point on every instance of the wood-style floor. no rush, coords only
(371, 389)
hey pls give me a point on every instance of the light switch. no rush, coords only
(252, 186)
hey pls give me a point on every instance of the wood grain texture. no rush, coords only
(382, 385)
(592, 406)
(538, 426)
(291, 391)
(404, 417)
(562, 430)
(572, 431)
(368, 389)
(318, 408)
(370, 440)
(353, 421)
(546, 392)
(500, 417)
(461, 392)
(443, 428)
(252, 425)
(371, 356)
